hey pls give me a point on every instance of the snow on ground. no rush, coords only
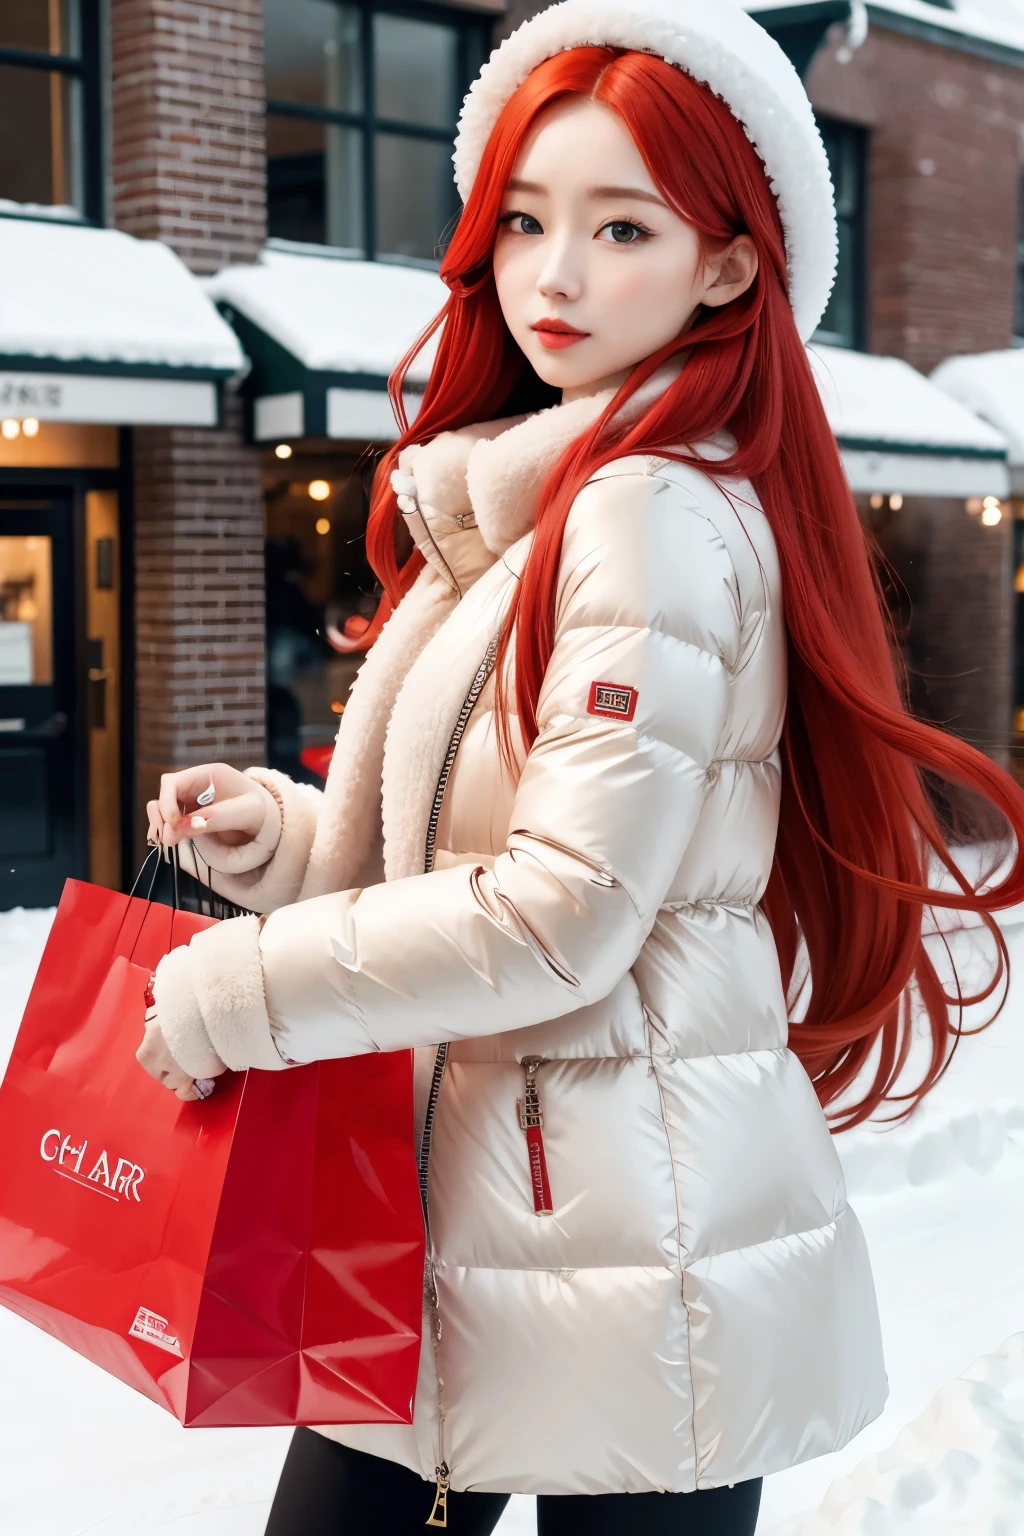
(940, 1202)
(958, 1467)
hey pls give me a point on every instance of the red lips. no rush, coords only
(557, 333)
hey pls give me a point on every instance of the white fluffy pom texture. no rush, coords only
(719, 44)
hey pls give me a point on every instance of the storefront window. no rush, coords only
(44, 26)
(846, 146)
(361, 109)
(49, 104)
(415, 71)
(43, 163)
(319, 588)
(26, 612)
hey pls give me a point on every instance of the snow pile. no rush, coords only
(76, 293)
(975, 1117)
(992, 385)
(23, 935)
(959, 1467)
(883, 400)
(61, 212)
(335, 314)
(998, 22)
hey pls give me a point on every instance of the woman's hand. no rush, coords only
(235, 813)
(155, 1057)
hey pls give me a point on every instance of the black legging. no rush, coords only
(328, 1489)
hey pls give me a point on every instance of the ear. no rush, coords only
(730, 272)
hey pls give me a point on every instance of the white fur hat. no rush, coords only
(717, 43)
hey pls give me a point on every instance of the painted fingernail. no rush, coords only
(198, 823)
(208, 795)
(204, 1086)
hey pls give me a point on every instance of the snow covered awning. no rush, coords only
(323, 334)
(898, 432)
(992, 29)
(992, 385)
(98, 327)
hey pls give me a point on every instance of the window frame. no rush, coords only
(85, 67)
(857, 134)
(1017, 338)
(473, 32)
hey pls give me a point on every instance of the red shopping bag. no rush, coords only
(256, 1258)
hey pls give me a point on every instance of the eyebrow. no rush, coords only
(537, 189)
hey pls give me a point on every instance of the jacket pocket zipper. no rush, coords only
(531, 1121)
(439, 1514)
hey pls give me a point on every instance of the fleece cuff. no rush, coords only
(267, 872)
(180, 1020)
(242, 858)
(227, 978)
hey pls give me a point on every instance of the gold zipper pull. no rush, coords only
(439, 1513)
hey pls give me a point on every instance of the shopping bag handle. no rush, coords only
(154, 853)
(211, 904)
(154, 856)
(218, 906)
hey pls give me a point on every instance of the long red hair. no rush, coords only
(861, 850)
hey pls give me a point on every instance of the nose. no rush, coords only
(561, 274)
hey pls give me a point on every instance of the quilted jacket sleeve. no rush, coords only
(647, 601)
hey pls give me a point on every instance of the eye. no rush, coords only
(522, 223)
(624, 232)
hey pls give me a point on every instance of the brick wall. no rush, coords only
(189, 152)
(199, 599)
(189, 168)
(943, 190)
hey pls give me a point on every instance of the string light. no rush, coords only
(283, 450)
(10, 428)
(323, 525)
(30, 427)
(895, 501)
(877, 501)
(319, 490)
(974, 505)
(992, 515)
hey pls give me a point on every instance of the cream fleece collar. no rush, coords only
(497, 469)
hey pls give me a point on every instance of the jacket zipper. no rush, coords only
(439, 1514)
(531, 1121)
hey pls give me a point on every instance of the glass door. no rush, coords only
(39, 728)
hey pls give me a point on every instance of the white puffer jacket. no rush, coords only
(697, 1308)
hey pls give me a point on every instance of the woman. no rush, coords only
(592, 786)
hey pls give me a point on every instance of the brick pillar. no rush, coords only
(189, 168)
(199, 599)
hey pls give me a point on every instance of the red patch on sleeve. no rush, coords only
(615, 700)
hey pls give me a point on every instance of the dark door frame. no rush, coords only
(58, 481)
(52, 733)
